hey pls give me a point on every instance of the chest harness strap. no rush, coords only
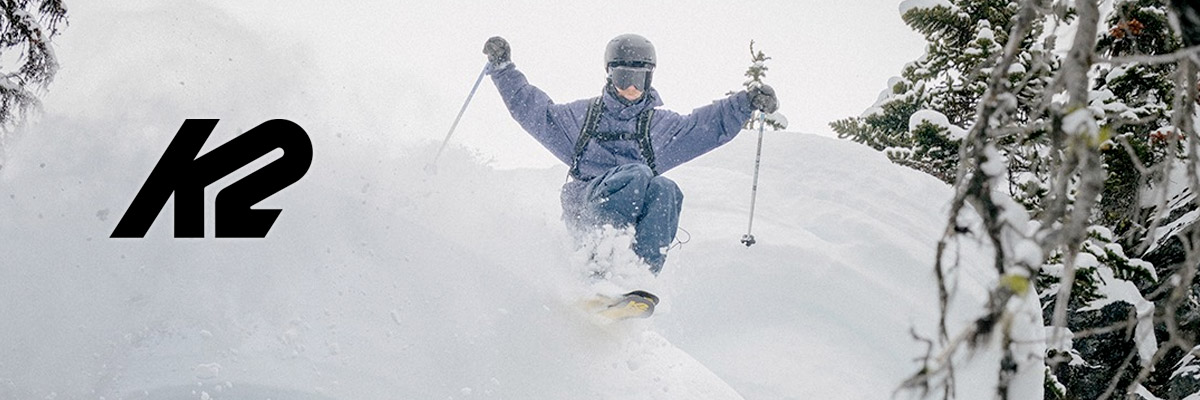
(588, 132)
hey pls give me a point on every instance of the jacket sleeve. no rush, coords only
(680, 138)
(555, 126)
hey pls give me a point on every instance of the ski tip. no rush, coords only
(631, 305)
(645, 294)
(628, 308)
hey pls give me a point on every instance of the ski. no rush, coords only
(635, 304)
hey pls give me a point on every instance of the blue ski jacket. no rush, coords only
(675, 138)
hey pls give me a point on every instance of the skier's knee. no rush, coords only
(665, 188)
(626, 180)
(639, 170)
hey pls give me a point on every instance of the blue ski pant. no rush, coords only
(628, 196)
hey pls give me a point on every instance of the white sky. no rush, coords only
(403, 68)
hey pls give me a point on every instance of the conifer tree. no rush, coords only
(26, 28)
(964, 38)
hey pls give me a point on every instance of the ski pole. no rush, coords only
(748, 238)
(432, 167)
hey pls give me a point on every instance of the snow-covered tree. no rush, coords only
(26, 29)
(1097, 152)
(921, 119)
(1134, 102)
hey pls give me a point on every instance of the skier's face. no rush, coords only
(630, 81)
(630, 93)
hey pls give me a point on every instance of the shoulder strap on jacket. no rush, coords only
(586, 132)
(643, 128)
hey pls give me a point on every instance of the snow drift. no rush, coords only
(381, 281)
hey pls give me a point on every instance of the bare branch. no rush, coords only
(1081, 157)
(1172, 58)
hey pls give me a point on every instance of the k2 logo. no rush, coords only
(181, 172)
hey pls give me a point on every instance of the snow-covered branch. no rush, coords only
(979, 171)
(29, 36)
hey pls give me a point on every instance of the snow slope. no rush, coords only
(388, 282)
(380, 281)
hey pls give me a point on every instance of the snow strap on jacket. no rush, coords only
(588, 132)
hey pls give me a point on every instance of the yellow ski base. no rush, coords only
(626, 307)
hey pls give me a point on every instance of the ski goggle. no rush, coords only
(623, 76)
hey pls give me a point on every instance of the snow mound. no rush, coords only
(396, 285)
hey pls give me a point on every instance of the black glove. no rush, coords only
(497, 51)
(763, 98)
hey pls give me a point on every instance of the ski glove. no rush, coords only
(763, 98)
(497, 51)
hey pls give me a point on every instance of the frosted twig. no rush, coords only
(1171, 58)
(973, 185)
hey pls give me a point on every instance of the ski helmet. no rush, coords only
(631, 50)
(629, 60)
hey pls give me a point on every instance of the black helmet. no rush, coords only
(631, 50)
(629, 60)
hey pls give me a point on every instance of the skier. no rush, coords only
(619, 144)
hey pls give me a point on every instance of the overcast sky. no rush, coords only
(403, 68)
